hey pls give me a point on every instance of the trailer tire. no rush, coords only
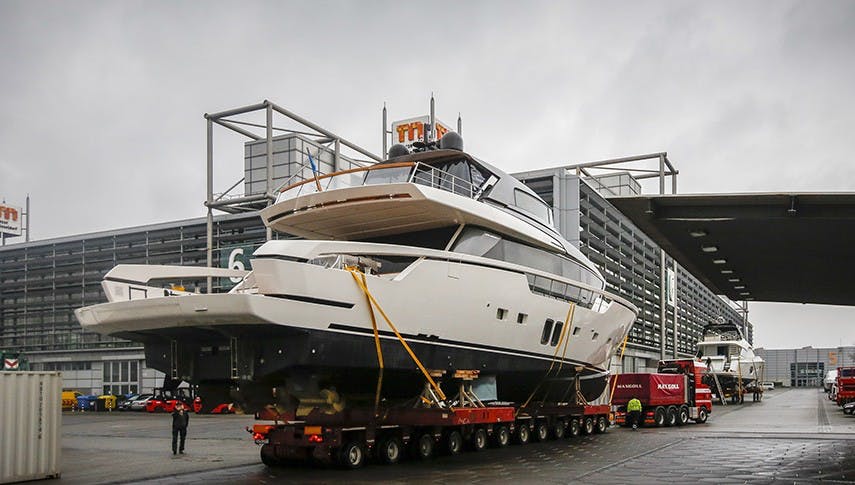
(671, 416)
(389, 450)
(702, 416)
(422, 447)
(541, 431)
(268, 456)
(682, 415)
(659, 416)
(523, 434)
(501, 436)
(558, 428)
(574, 429)
(453, 442)
(602, 425)
(478, 440)
(588, 425)
(352, 455)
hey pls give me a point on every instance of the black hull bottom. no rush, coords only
(301, 363)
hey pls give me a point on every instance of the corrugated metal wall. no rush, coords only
(30, 425)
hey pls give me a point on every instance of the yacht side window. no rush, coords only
(533, 206)
(547, 331)
(476, 242)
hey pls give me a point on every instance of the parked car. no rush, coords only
(125, 402)
(767, 386)
(849, 408)
(139, 403)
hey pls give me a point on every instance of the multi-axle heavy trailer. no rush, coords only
(350, 437)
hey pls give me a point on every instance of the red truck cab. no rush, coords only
(673, 395)
(845, 385)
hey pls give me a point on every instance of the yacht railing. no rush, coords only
(405, 172)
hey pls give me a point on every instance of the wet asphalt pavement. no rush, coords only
(792, 436)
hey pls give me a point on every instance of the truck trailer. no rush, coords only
(672, 396)
(349, 437)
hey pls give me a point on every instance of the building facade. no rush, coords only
(42, 282)
(804, 367)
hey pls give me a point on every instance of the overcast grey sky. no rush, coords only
(102, 102)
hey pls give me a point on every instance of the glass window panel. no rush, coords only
(547, 331)
(134, 371)
(115, 373)
(124, 371)
(556, 333)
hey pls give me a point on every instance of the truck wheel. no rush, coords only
(659, 416)
(541, 431)
(453, 442)
(558, 428)
(352, 455)
(683, 415)
(602, 425)
(389, 450)
(268, 456)
(671, 416)
(478, 440)
(588, 425)
(523, 434)
(423, 446)
(702, 416)
(501, 436)
(574, 429)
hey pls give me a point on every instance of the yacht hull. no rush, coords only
(501, 329)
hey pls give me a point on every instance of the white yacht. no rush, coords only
(462, 258)
(729, 356)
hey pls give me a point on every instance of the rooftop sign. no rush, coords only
(412, 130)
(11, 219)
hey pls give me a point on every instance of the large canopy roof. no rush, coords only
(779, 247)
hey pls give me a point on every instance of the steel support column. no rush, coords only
(267, 191)
(210, 231)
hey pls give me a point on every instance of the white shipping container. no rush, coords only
(30, 425)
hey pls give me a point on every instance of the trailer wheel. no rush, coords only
(602, 425)
(682, 415)
(702, 416)
(523, 434)
(423, 446)
(588, 425)
(268, 456)
(659, 416)
(389, 450)
(478, 440)
(541, 431)
(574, 429)
(453, 442)
(352, 455)
(558, 428)
(670, 416)
(501, 436)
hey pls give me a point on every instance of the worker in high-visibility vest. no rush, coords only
(633, 412)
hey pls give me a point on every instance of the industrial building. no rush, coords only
(804, 367)
(42, 282)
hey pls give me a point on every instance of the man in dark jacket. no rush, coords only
(180, 420)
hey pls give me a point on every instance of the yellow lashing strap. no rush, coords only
(355, 272)
(614, 383)
(562, 341)
(373, 322)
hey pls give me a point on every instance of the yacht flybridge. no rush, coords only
(729, 355)
(432, 260)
